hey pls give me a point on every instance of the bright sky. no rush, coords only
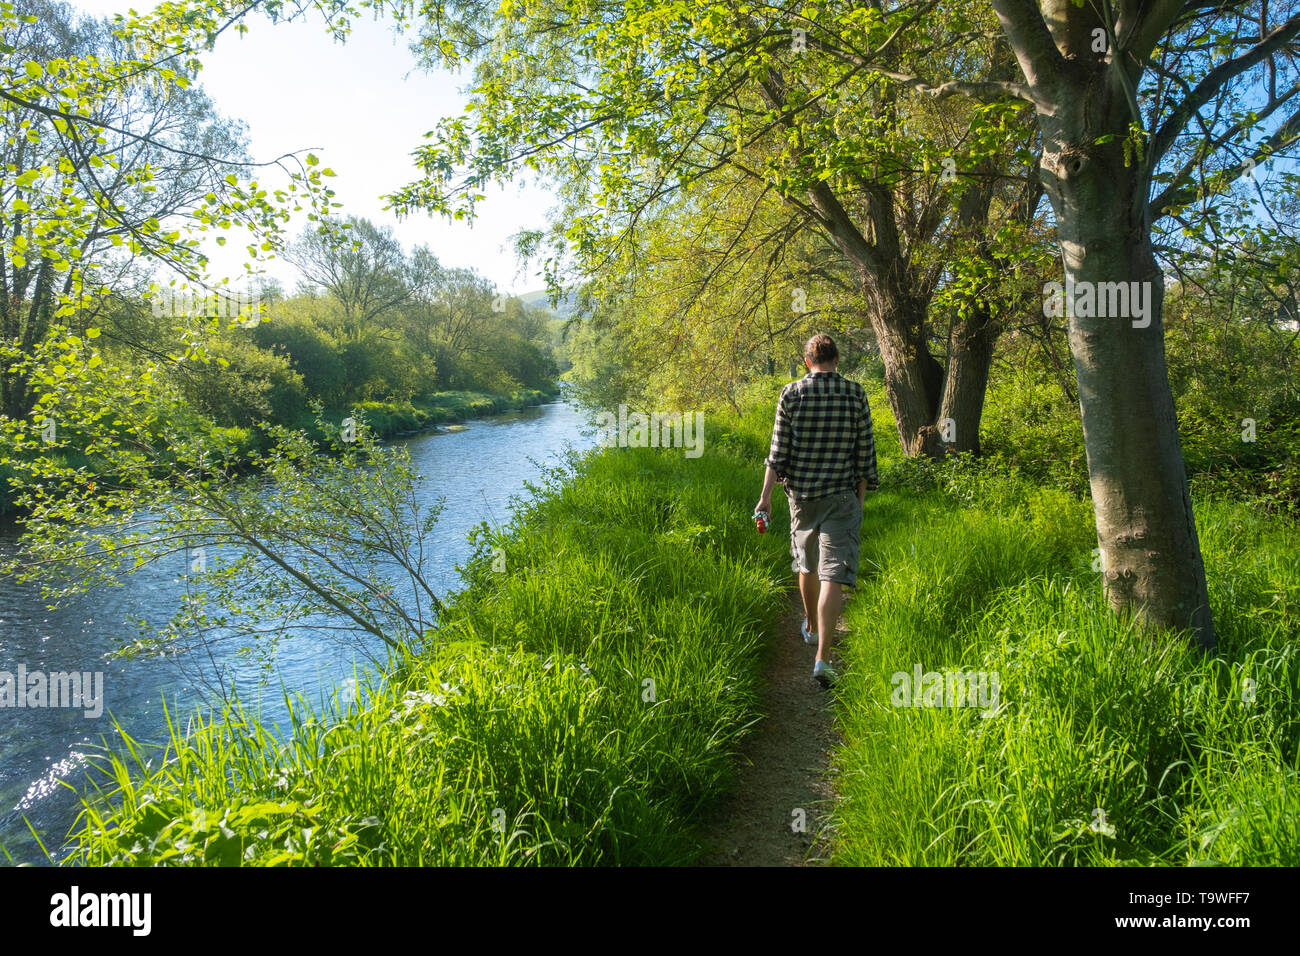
(362, 107)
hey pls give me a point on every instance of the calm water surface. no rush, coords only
(477, 471)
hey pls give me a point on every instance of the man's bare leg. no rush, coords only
(828, 615)
(808, 588)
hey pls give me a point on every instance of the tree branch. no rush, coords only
(1040, 60)
(1180, 192)
(1215, 80)
(983, 90)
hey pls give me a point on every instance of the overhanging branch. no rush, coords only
(1215, 80)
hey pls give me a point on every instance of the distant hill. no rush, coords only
(537, 300)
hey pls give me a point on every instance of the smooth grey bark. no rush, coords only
(1145, 526)
(1146, 530)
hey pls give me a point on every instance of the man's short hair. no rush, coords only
(821, 349)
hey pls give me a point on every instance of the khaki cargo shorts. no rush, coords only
(825, 534)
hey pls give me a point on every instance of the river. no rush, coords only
(476, 471)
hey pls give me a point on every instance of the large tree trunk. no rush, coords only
(913, 378)
(972, 333)
(937, 408)
(965, 384)
(1150, 553)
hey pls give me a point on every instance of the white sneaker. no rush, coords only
(808, 636)
(825, 674)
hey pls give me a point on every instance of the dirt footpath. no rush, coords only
(778, 810)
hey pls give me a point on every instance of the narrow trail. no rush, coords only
(783, 765)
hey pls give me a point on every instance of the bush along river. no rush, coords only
(44, 751)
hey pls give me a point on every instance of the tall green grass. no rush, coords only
(580, 707)
(1110, 746)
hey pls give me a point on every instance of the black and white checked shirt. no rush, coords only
(822, 442)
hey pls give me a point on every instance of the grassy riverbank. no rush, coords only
(393, 419)
(387, 420)
(1107, 747)
(579, 707)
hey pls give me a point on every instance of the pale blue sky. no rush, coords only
(362, 107)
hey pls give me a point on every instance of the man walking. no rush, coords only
(824, 454)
